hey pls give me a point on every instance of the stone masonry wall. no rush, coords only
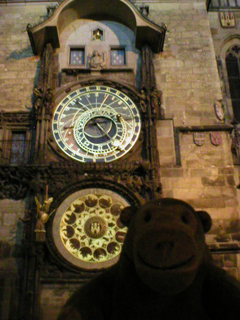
(11, 256)
(223, 39)
(187, 75)
(186, 70)
(19, 68)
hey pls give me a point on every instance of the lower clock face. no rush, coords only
(87, 230)
(96, 124)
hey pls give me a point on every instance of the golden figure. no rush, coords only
(97, 35)
(42, 218)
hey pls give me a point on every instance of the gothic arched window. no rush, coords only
(233, 72)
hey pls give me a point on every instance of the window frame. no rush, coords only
(231, 77)
(125, 56)
(24, 155)
(227, 100)
(7, 128)
(80, 48)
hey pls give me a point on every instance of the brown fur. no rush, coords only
(165, 272)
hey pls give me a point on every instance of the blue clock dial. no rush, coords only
(96, 124)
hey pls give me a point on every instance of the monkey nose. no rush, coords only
(164, 247)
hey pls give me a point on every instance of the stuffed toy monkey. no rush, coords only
(165, 272)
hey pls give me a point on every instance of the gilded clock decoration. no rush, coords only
(87, 230)
(95, 227)
(96, 124)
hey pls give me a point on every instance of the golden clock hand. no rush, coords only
(119, 117)
(103, 101)
(98, 125)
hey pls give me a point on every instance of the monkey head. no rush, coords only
(166, 243)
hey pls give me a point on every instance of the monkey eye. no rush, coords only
(185, 219)
(147, 217)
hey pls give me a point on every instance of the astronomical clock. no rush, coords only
(97, 134)
(96, 124)
(95, 146)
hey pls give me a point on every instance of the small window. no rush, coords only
(77, 56)
(18, 147)
(118, 57)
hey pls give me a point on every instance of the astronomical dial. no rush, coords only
(96, 124)
(87, 230)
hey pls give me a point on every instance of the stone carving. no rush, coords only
(219, 110)
(199, 138)
(150, 101)
(13, 183)
(96, 60)
(27, 227)
(48, 102)
(216, 138)
(227, 19)
(43, 93)
(143, 101)
(44, 103)
(236, 140)
(16, 117)
(144, 10)
(38, 100)
(17, 181)
(148, 73)
(51, 9)
(156, 103)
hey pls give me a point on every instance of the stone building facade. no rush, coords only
(165, 62)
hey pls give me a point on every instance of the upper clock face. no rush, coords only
(96, 124)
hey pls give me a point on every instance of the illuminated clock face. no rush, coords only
(96, 124)
(87, 230)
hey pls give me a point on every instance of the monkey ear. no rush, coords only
(205, 219)
(126, 215)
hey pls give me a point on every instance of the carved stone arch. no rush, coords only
(98, 183)
(89, 81)
(228, 43)
(146, 32)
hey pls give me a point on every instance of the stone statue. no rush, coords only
(48, 101)
(38, 99)
(96, 60)
(143, 101)
(156, 103)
